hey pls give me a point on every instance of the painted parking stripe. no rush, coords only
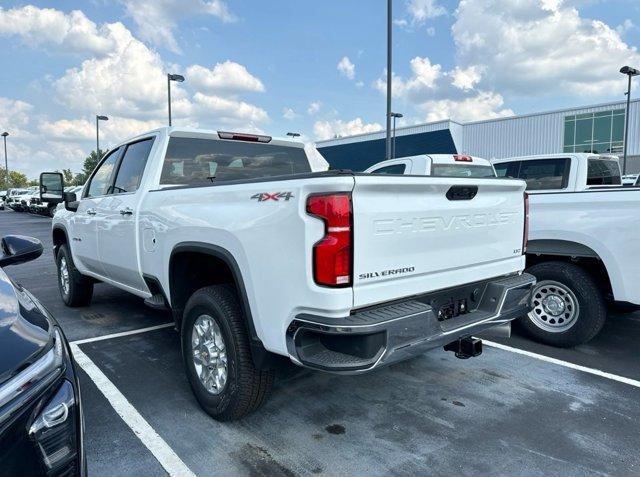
(163, 453)
(123, 333)
(566, 364)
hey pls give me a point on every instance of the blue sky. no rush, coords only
(311, 67)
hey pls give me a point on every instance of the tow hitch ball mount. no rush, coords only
(465, 348)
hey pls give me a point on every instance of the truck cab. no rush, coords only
(562, 172)
(437, 165)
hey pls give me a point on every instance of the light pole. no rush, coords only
(393, 149)
(170, 78)
(389, 76)
(293, 134)
(629, 71)
(6, 164)
(99, 118)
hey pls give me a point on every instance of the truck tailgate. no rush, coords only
(414, 235)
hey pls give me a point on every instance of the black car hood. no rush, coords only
(24, 328)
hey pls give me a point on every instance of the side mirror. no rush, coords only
(51, 187)
(70, 201)
(19, 249)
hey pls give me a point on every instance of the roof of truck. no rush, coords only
(577, 155)
(180, 131)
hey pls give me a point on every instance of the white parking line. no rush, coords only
(566, 364)
(123, 333)
(138, 424)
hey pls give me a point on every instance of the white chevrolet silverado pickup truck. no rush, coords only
(583, 243)
(259, 257)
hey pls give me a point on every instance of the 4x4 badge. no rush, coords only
(264, 196)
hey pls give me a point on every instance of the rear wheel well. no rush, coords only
(191, 271)
(592, 265)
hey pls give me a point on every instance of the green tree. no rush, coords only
(16, 179)
(68, 176)
(89, 165)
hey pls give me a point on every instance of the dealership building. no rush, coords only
(598, 128)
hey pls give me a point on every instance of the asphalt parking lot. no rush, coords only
(506, 412)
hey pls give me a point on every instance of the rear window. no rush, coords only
(462, 170)
(194, 161)
(545, 174)
(603, 172)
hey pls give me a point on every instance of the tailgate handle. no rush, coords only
(462, 192)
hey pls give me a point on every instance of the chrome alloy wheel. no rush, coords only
(555, 307)
(209, 354)
(64, 275)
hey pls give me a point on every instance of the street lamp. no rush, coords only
(394, 116)
(99, 118)
(6, 166)
(389, 76)
(293, 134)
(629, 71)
(170, 78)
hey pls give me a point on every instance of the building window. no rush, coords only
(600, 133)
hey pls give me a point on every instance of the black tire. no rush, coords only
(80, 288)
(591, 310)
(246, 388)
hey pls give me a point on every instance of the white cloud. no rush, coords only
(227, 111)
(532, 47)
(347, 68)
(483, 105)
(14, 114)
(625, 27)
(229, 77)
(314, 107)
(54, 30)
(424, 78)
(431, 31)
(289, 114)
(158, 19)
(465, 79)
(422, 10)
(338, 128)
(130, 80)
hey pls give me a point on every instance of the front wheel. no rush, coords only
(217, 355)
(75, 288)
(568, 307)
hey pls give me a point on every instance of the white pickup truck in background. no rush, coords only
(583, 243)
(259, 257)
(438, 165)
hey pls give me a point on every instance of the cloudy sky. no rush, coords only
(293, 65)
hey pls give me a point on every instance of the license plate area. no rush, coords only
(455, 302)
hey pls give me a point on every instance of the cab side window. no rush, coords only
(545, 174)
(101, 180)
(131, 167)
(507, 169)
(393, 169)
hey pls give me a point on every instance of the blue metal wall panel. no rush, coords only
(358, 156)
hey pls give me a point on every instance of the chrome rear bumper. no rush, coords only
(374, 337)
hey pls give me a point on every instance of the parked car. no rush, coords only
(13, 198)
(259, 258)
(442, 165)
(582, 246)
(630, 179)
(41, 425)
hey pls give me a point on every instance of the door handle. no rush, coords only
(91, 211)
(126, 211)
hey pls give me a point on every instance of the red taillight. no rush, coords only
(332, 254)
(525, 238)
(461, 158)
